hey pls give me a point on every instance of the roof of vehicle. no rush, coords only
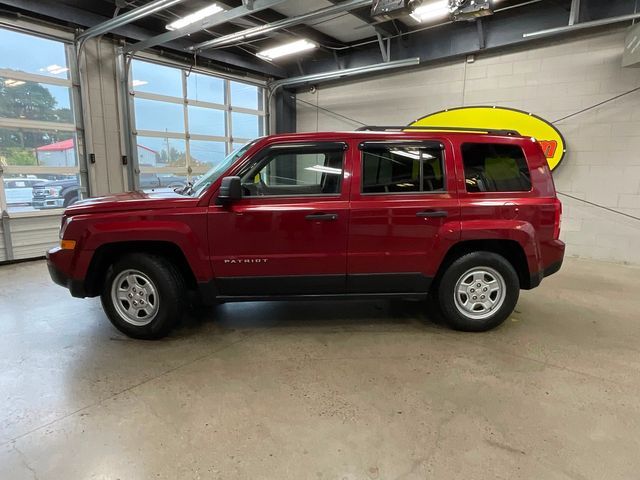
(393, 132)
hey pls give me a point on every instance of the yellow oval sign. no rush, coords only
(500, 118)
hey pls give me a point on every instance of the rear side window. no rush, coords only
(402, 168)
(493, 167)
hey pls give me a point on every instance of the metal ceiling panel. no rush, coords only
(342, 26)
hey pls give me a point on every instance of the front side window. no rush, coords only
(402, 168)
(297, 171)
(494, 167)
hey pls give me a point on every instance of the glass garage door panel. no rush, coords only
(185, 121)
(37, 148)
(206, 121)
(206, 154)
(159, 79)
(159, 116)
(35, 101)
(161, 152)
(246, 125)
(205, 88)
(246, 96)
(35, 55)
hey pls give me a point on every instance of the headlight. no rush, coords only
(54, 191)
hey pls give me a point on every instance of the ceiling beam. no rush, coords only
(66, 14)
(364, 14)
(212, 21)
(303, 31)
(126, 18)
(280, 24)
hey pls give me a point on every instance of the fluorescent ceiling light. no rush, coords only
(138, 83)
(323, 169)
(286, 49)
(195, 17)
(54, 69)
(431, 11)
(412, 154)
(13, 83)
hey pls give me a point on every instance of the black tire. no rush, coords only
(452, 309)
(170, 296)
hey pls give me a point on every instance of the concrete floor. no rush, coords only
(352, 390)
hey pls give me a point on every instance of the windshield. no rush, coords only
(205, 181)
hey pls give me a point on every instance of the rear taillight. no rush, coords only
(557, 219)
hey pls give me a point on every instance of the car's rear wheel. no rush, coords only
(144, 296)
(478, 291)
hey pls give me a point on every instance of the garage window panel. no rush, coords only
(192, 121)
(246, 96)
(159, 116)
(153, 78)
(205, 88)
(36, 55)
(206, 121)
(29, 100)
(246, 125)
(205, 155)
(39, 146)
(154, 152)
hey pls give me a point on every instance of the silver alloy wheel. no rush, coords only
(480, 292)
(135, 297)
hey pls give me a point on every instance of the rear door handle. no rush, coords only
(432, 214)
(326, 217)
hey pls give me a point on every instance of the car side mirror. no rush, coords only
(230, 190)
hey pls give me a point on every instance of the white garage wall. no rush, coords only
(552, 79)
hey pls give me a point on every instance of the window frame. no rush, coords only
(404, 143)
(262, 158)
(72, 82)
(494, 192)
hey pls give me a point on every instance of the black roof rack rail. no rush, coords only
(392, 128)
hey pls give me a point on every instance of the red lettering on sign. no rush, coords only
(549, 147)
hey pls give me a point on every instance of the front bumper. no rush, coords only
(59, 277)
(43, 203)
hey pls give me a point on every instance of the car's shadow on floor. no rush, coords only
(317, 314)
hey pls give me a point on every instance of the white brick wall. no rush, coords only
(553, 80)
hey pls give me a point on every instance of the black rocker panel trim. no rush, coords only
(318, 285)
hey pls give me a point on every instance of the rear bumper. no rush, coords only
(552, 257)
(59, 277)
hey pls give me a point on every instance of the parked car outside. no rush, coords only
(64, 193)
(18, 190)
(466, 219)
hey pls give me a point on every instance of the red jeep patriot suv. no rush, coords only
(469, 217)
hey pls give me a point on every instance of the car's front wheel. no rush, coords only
(143, 296)
(478, 291)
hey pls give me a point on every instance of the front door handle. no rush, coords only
(432, 214)
(327, 217)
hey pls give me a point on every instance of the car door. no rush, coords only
(287, 235)
(404, 215)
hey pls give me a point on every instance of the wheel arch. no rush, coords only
(106, 255)
(511, 250)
